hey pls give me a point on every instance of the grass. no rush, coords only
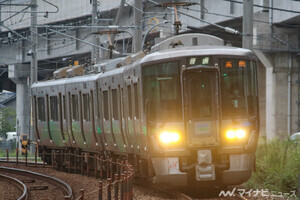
(277, 166)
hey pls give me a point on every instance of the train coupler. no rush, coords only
(205, 169)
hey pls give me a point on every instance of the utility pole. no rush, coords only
(33, 64)
(248, 24)
(33, 28)
(137, 40)
(95, 51)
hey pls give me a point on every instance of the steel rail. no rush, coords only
(54, 181)
(18, 184)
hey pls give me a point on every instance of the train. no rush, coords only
(184, 113)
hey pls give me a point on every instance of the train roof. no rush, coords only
(78, 79)
(195, 51)
(175, 47)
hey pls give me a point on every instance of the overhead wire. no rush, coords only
(267, 7)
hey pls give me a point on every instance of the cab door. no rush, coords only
(201, 106)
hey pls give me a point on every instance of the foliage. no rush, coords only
(277, 166)
(7, 121)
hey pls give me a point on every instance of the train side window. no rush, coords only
(53, 108)
(136, 101)
(75, 114)
(41, 108)
(115, 104)
(105, 105)
(129, 102)
(86, 107)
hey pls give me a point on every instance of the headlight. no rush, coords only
(231, 134)
(240, 133)
(167, 137)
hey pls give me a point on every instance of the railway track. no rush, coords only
(17, 184)
(175, 194)
(65, 188)
(165, 191)
(161, 190)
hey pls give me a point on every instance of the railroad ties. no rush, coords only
(64, 187)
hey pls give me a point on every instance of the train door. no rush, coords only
(93, 111)
(64, 116)
(41, 119)
(82, 117)
(116, 119)
(106, 118)
(85, 120)
(201, 106)
(53, 120)
(130, 120)
(123, 118)
(70, 118)
(99, 122)
(78, 139)
(48, 118)
(60, 118)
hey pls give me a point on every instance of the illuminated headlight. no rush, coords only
(167, 137)
(230, 134)
(240, 133)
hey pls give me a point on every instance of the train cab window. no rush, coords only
(105, 105)
(41, 108)
(162, 91)
(136, 101)
(86, 107)
(129, 101)
(53, 108)
(75, 113)
(115, 104)
(238, 87)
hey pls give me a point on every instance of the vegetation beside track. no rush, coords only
(277, 166)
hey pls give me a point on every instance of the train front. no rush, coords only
(201, 114)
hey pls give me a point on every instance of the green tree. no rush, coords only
(7, 121)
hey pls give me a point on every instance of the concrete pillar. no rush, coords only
(270, 104)
(270, 96)
(19, 75)
(248, 24)
(23, 108)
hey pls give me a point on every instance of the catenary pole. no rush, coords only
(248, 24)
